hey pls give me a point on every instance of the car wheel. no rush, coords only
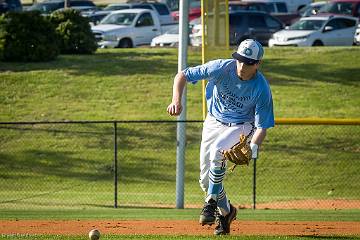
(125, 43)
(318, 43)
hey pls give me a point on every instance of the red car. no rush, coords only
(194, 11)
(343, 7)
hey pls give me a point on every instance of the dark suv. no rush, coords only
(47, 7)
(252, 24)
(10, 6)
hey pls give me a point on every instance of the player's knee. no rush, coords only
(215, 152)
(217, 164)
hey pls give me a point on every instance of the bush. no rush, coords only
(74, 32)
(27, 36)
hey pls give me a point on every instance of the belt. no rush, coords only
(230, 124)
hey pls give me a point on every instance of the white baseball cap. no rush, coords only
(249, 52)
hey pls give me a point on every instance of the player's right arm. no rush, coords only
(192, 74)
(175, 107)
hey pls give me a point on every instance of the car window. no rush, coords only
(116, 7)
(255, 8)
(173, 4)
(271, 7)
(119, 19)
(250, 7)
(81, 3)
(272, 23)
(281, 7)
(337, 7)
(334, 24)
(348, 22)
(46, 7)
(307, 25)
(236, 21)
(357, 12)
(340, 23)
(12, 2)
(145, 20)
(161, 9)
(257, 21)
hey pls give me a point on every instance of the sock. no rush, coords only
(223, 202)
(216, 177)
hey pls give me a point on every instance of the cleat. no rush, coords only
(207, 215)
(223, 227)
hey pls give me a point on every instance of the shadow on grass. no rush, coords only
(121, 62)
(282, 74)
(86, 152)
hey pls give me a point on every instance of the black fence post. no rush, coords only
(115, 167)
(254, 186)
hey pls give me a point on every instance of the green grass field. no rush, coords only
(306, 82)
(49, 167)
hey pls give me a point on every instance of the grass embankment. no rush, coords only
(136, 84)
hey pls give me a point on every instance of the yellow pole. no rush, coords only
(227, 31)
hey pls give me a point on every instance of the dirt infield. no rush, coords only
(185, 227)
(332, 204)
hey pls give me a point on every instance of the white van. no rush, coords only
(292, 5)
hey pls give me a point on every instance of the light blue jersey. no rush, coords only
(230, 99)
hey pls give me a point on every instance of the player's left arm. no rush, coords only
(264, 119)
(256, 141)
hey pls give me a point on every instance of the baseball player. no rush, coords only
(239, 102)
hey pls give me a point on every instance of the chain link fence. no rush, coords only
(72, 165)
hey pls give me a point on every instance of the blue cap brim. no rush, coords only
(243, 59)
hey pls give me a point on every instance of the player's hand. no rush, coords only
(174, 109)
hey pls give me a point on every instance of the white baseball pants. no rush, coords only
(216, 137)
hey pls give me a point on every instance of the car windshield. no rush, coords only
(307, 25)
(337, 8)
(45, 7)
(119, 19)
(115, 7)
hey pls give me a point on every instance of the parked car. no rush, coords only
(311, 9)
(194, 8)
(243, 25)
(48, 6)
(318, 31)
(129, 28)
(275, 9)
(255, 25)
(168, 39)
(10, 6)
(357, 36)
(95, 17)
(343, 7)
(292, 5)
(161, 9)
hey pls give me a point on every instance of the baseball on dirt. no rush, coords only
(94, 234)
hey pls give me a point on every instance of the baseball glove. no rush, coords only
(239, 154)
